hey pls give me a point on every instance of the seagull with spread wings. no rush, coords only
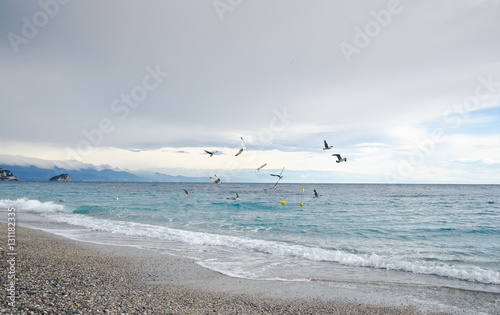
(339, 158)
(280, 176)
(211, 152)
(217, 181)
(260, 167)
(316, 195)
(242, 147)
(327, 147)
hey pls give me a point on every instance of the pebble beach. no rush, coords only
(55, 275)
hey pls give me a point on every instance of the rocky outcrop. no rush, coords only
(61, 178)
(7, 175)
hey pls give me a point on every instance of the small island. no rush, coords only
(60, 178)
(7, 175)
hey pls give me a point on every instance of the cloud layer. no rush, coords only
(405, 88)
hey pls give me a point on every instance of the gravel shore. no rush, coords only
(54, 275)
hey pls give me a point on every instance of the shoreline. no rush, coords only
(59, 275)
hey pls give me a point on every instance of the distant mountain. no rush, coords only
(159, 177)
(35, 173)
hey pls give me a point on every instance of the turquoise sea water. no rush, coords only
(439, 235)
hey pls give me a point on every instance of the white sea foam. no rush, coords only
(58, 213)
(31, 205)
(276, 248)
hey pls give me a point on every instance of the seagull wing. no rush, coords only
(337, 155)
(260, 167)
(276, 185)
(243, 144)
(326, 144)
(282, 172)
(239, 152)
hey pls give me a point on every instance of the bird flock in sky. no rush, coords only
(218, 181)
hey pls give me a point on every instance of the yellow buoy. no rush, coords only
(300, 204)
(283, 202)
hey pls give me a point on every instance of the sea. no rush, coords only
(422, 235)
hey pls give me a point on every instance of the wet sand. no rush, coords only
(55, 275)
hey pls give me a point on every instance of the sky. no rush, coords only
(407, 91)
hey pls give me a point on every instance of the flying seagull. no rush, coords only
(242, 147)
(211, 153)
(280, 176)
(217, 181)
(234, 198)
(339, 158)
(327, 147)
(316, 195)
(186, 192)
(260, 167)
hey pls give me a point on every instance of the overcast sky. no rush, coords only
(407, 91)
